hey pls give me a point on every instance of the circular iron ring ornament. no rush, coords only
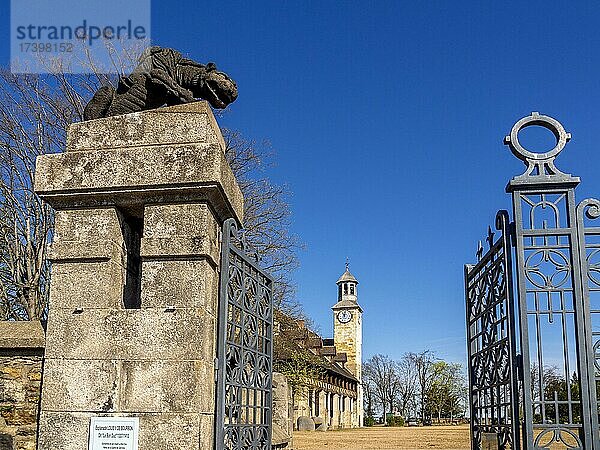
(553, 125)
(543, 162)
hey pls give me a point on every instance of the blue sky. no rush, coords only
(388, 119)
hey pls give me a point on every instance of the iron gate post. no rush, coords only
(551, 266)
(557, 310)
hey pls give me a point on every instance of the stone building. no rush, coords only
(330, 396)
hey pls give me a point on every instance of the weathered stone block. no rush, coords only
(207, 432)
(180, 230)
(93, 284)
(12, 388)
(27, 430)
(110, 352)
(489, 441)
(21, 414)
(69, 431)
(64, 430)
(87, 233)
(183, 284)
(146, 334)
(24, 443)
(21, 334)
(167, 386)
(140, 175)
(282, 412)
(21, 347)
(163, 432)
(180, 124)
(305, 423)
(80, 385)
(20, 389)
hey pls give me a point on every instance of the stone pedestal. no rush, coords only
(283, 413)
(139, 203)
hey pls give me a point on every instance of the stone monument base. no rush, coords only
(140, 200)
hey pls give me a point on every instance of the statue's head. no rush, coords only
(214, 86)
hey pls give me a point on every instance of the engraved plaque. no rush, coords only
(114, 433)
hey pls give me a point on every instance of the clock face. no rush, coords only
(344, 316)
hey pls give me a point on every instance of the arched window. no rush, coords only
(351, 289)
(345, 288)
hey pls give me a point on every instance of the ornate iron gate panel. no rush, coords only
(554, 317)
(589, 254)
(557, 264)
(491, 344)
(245, 348)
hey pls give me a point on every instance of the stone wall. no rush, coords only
(21, 355)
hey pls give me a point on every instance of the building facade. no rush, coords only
(324, 375)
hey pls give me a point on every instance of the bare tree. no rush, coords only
(417, 381)
(407, 386)
(266, 215)
(549, 384)
(35, 111)
(380, 373)
(369, 398)
(423, 363)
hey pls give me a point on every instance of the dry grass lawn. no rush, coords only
(377, 438)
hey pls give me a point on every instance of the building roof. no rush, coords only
(294, 336)
(346, 304)
(347, 276)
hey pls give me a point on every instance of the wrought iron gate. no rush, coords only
(491, 343)
(245, 348)
(554, 403)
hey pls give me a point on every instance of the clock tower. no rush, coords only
(347, 331)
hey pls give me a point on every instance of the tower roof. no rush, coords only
(347, 276)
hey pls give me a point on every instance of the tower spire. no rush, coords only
(347, 285)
